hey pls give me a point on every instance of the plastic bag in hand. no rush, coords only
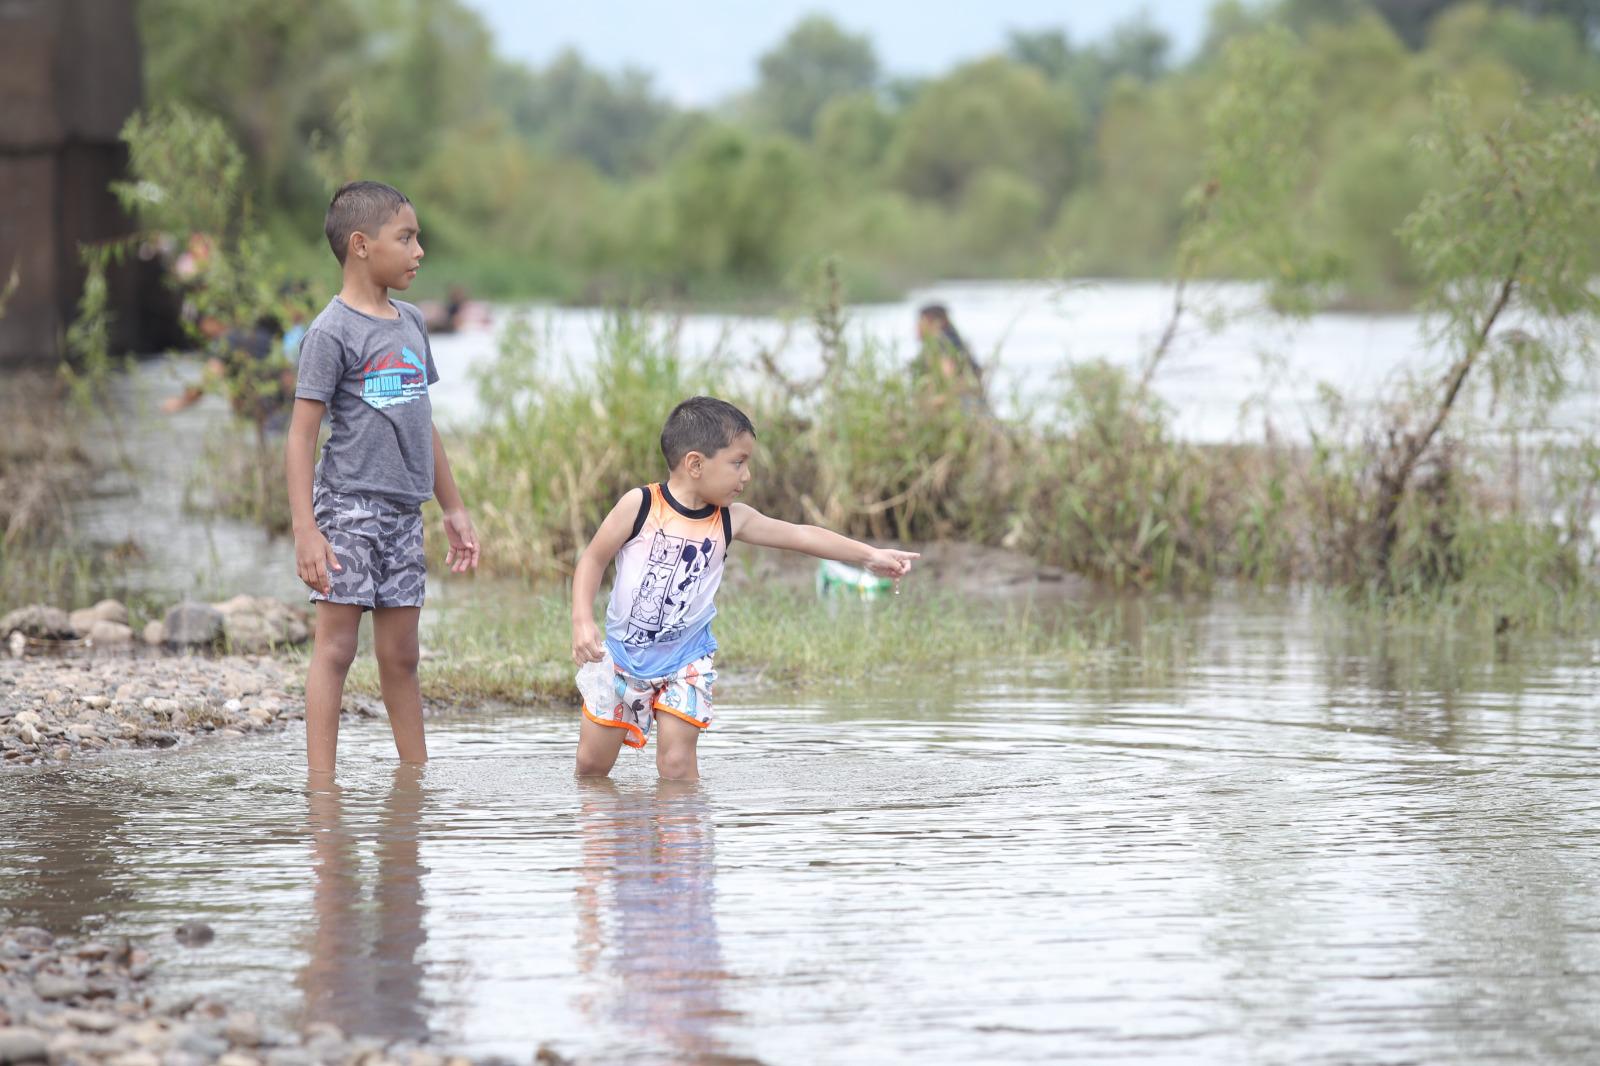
(598, 685)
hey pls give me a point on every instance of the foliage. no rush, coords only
(816, 62)
(1505, 242)
(569, 181)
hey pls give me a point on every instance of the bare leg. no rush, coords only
(394, 640)
(598, 746)
(676, 745)
(338, 627)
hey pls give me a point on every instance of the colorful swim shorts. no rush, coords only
(684, 694)
(379, 545)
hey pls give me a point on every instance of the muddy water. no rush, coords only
(1288, 840)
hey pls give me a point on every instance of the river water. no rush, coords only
(1276, 837)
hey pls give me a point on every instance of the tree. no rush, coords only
(1412, 19)
(1242, 219)
(1545, 52)
(1510, 237)
(1047, 51)
(816, 62)
(1136, 50)
(850, 136)
(569, 108)
(735, 203)
(993, 113)
(272, 69)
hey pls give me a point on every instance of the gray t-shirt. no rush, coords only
(370, 374)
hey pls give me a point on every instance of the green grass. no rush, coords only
(493, 651)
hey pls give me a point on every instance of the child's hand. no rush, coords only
(890, 562)
(463, 553)
(313, 559)
(587, 646)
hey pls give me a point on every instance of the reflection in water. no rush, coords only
(363, 974)
(1269, 835)
(648, 953)
(59, 857)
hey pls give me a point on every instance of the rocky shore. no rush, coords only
(67, 1003)
(58, 707)
(80, 682)
(246, 625)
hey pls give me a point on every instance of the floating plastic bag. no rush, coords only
(597, 683)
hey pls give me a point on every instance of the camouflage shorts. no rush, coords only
(379, 545)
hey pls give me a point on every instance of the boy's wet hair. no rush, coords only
(362, 206)
(701, 424)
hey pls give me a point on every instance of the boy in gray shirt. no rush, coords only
(365, 362)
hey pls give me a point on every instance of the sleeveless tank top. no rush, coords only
(663, 596)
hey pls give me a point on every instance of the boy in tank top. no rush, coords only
(670, 540)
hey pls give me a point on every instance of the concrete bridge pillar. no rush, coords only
(69, 77)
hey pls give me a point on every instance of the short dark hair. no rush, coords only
(701, 424)
(937, 313)
(359, 206)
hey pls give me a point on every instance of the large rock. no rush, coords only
(248, 633)
(105, 634)
(84, 618)
(110, 611)
(22, 1045)
(254, 625)
(39, 622)
(154, 633)
(190, 625)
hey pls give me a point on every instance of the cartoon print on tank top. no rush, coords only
(667, 587)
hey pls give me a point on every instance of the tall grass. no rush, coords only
(42, 465)
(561, 443)
(1086, 475)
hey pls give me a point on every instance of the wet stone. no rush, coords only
(134, 1058)
(91, 1021)
(22, 1046)
(243, 1029)
(40, 622)
(289, 1056)
(30, 936)
(192, 625)
(193, 934)
(196, 1041)
(49, 986)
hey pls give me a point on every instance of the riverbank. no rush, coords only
(101, 1001)
(56, 708)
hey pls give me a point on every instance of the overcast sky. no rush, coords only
(701, 50)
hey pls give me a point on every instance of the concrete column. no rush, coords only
(69, 77)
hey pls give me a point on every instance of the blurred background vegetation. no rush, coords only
(1438, 157)
(1053, 156)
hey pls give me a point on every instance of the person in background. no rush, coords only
(943, 352)
(944, 365)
